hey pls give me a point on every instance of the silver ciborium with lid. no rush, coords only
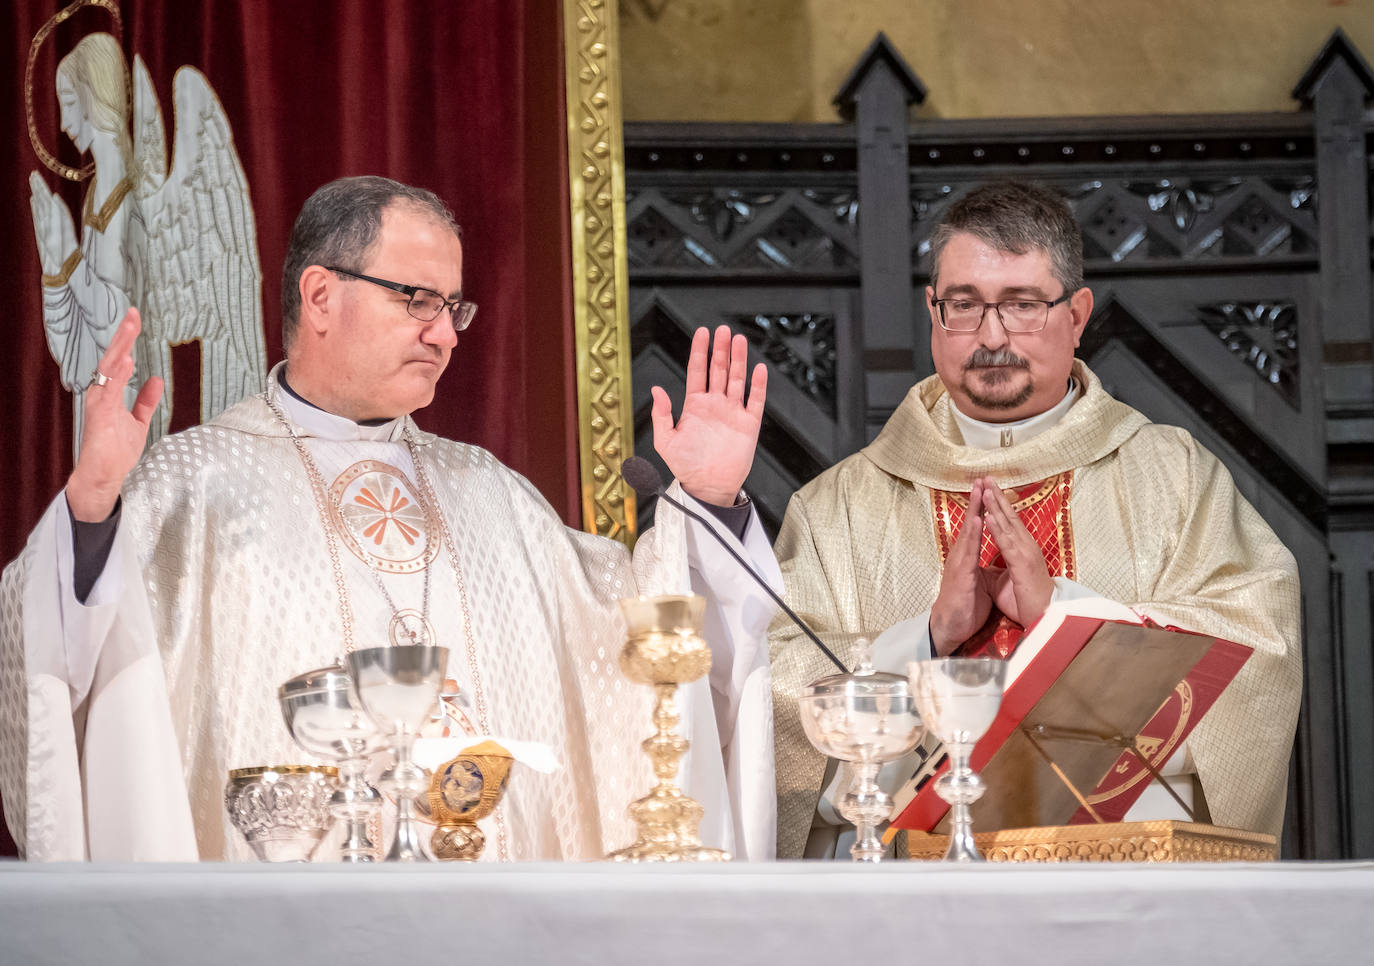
(867, 718)
(326, 719)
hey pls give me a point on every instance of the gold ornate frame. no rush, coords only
(596, 178)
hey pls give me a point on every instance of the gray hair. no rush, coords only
(338, 227)
(1016, 217)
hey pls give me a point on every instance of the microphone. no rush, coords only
(645, 481)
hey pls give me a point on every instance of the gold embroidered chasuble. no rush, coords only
(1151, 519)
(230, 591)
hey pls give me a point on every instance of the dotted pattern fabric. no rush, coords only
(235, 568)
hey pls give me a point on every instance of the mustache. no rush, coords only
(1002, 357)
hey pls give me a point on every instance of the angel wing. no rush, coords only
(202, 276)
(149, 140)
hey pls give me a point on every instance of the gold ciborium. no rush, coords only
(462, 792)
(664, 648)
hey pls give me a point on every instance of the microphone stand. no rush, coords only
(660, 492)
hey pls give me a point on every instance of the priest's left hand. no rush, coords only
(711, 448)
(1022, 591)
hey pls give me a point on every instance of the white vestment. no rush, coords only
(120, 718)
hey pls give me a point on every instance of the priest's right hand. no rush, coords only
(965, 599)
(113, 437)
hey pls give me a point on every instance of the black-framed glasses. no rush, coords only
(1016, 315)
(425, 304)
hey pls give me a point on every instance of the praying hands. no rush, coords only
(968, 592)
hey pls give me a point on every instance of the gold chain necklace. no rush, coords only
(430, 499)
(402, 625)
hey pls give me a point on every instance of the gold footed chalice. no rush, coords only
(664, 648)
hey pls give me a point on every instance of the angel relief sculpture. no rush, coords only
(178, 243)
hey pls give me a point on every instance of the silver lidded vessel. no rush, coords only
(867, 718)
(326, 719)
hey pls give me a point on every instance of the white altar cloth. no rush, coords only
(784, 913)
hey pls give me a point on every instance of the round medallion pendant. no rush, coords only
(409, 627)
(382, 520)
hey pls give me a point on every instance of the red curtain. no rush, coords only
(464, 97)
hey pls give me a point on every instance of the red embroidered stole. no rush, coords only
(1044, 509)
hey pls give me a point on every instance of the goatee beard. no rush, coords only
(997, 360)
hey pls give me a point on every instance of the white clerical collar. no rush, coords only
(981, 435)
(316, 422)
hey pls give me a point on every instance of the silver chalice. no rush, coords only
(399, 688)
(327, 721)
(867, 718)
(959, 698)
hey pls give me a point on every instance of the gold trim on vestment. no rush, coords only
(961, 499)
(65, 272)
(1067, 563)
(944, 501)
(100, 220)
(943, 517)
(596, 180)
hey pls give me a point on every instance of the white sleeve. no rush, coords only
(84, 625)
(114, 790)
(738, 613)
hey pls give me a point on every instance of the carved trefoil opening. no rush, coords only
(1264, 335)
(799, 347)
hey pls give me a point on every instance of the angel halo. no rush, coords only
(180, 242)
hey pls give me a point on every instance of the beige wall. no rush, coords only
(783, 60)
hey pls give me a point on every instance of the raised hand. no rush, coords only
(710, 449)
(965, 598)
(1022, 591)
(113, 437)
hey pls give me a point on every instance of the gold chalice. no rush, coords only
(664, 649)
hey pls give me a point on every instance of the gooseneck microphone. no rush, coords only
(645, 481)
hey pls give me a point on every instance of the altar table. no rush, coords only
(781, 914)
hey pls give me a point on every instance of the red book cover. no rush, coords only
(1089, 674)
(1164, 734)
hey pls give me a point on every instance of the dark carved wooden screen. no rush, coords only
(1230, 260)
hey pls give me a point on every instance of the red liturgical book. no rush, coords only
(1081, 688)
